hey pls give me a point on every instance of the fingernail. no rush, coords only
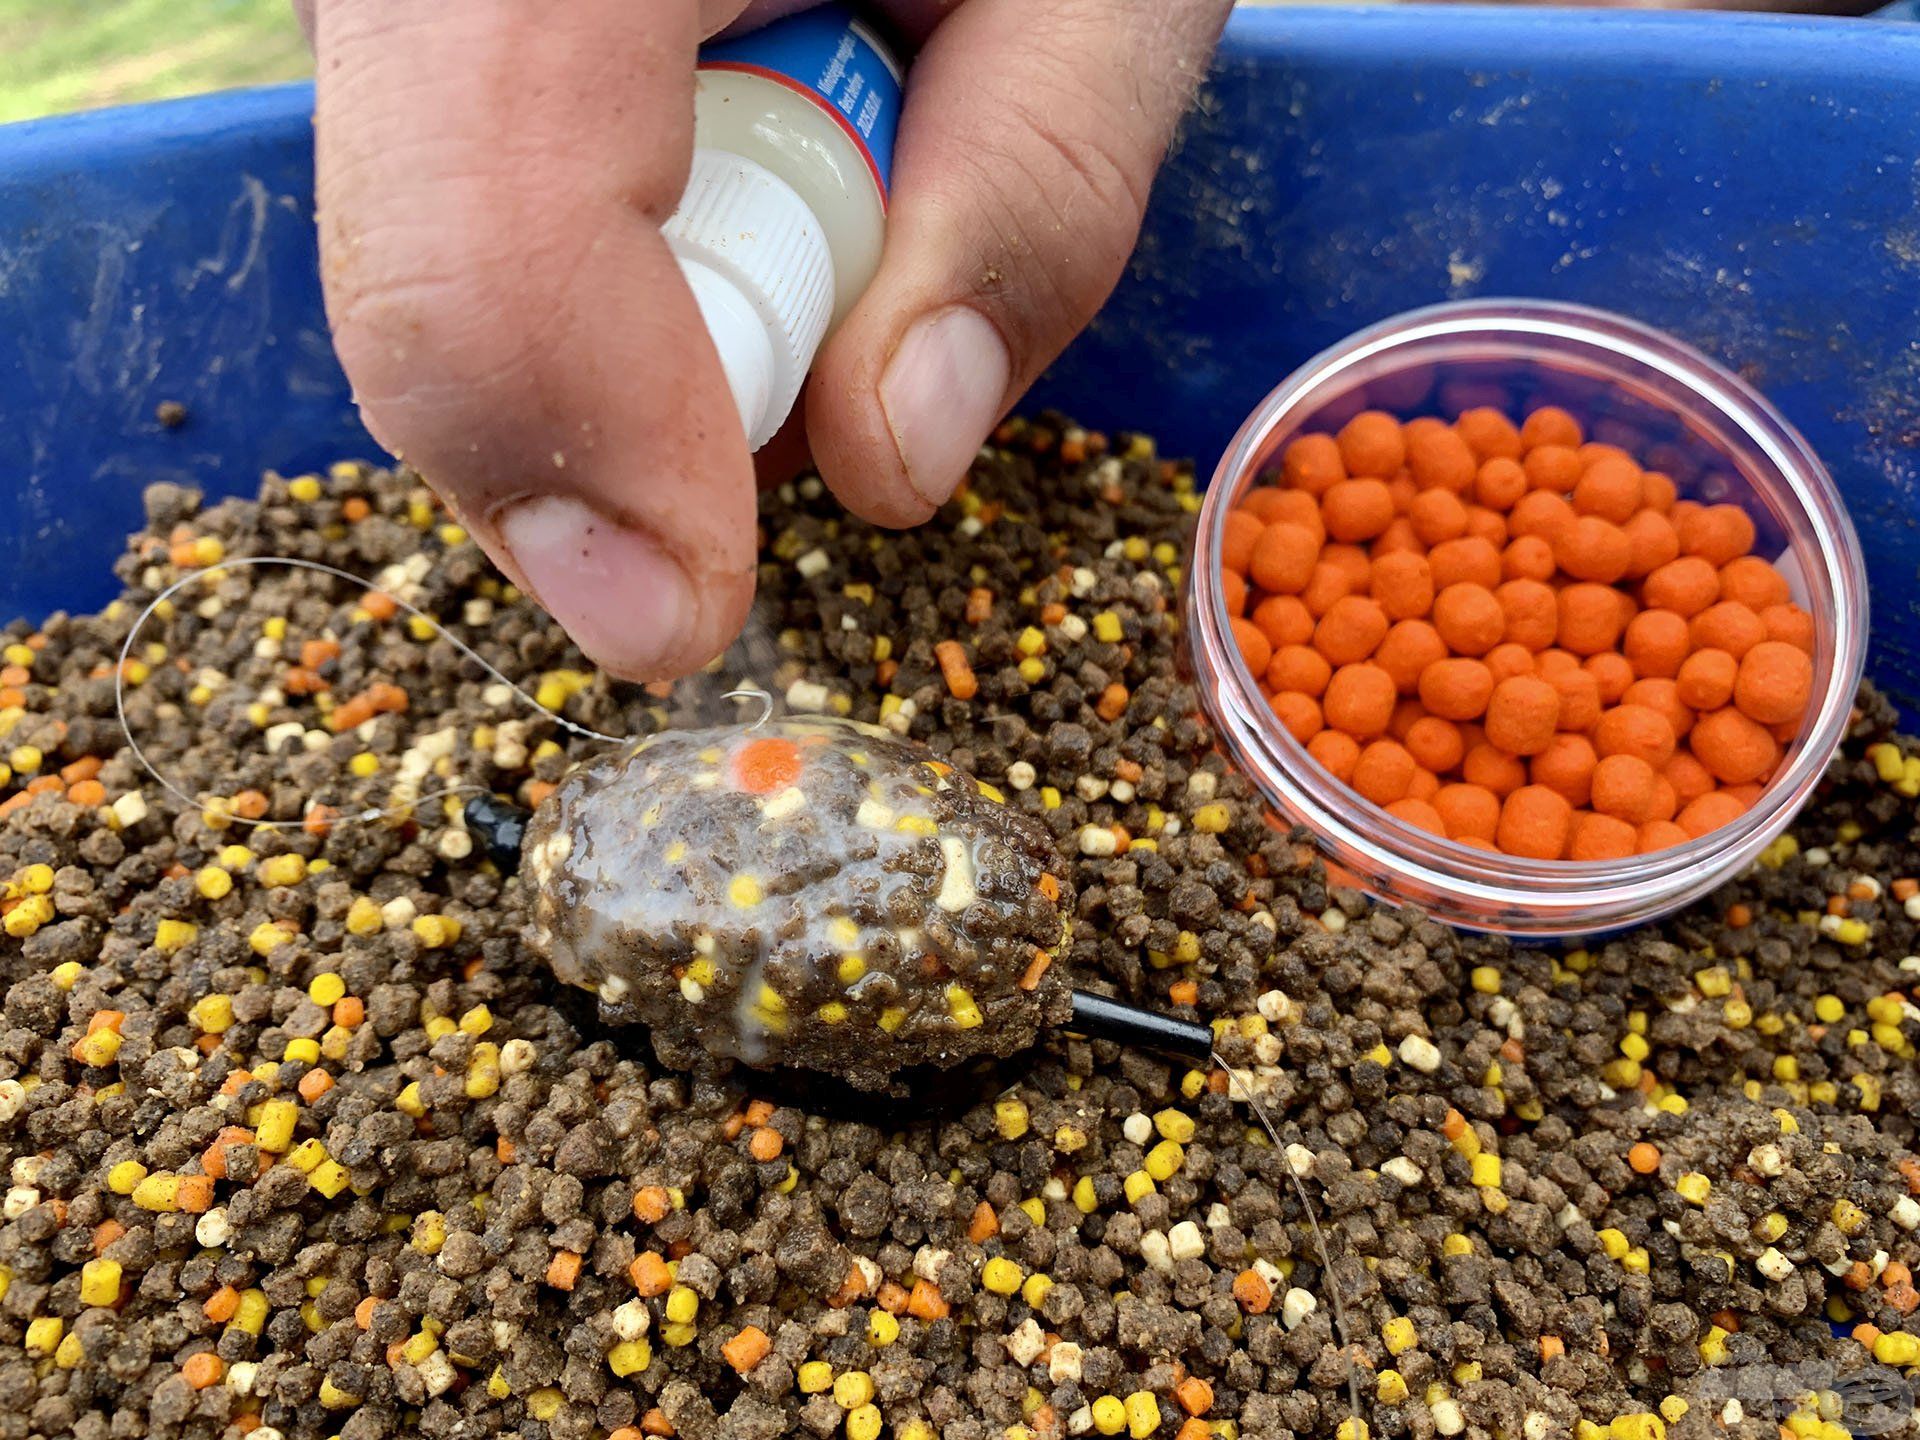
(942, 394)
(623, 599)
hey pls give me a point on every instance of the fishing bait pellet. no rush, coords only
(815, 893)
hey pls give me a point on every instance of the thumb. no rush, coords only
(1027, 149)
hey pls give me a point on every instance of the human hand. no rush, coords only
(492, 176)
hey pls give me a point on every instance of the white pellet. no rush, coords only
(1081, 1421)
(1299, 1160)
(1121, 791)
(1186, 1242)
(1218, 1216)
(1537, 1425)
(130, 808)
(437, 1373)
(1021, 775)
(1447, 1419)
(1732, 1413)
(1063, 1364)
(1097, 841)
(1202, 784)
(630, 1321)
(1295, 1306)
(398, 912)
(20, 1199)
(213, 1229)
(1817, 858)
(1773, 1264)
(1335, 920)
(13, 1095)
(1275, 1006)
(1421, 1053)
(26, 1169)
(1090, 788)
(928, 1261)
(1404, 1170)
(1905, 1212)
(807, 695)
(814, 562)
(1155, 1250)
(1026, 1342)
(1083, 582)
(240, 1377)
(496, 695)
(1767, 1159)
(1074, 628)
(454, 845)
(1138, 1128)
(1267, 1049)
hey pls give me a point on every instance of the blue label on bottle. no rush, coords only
(834, 60)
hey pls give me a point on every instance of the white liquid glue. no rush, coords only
(779, 229)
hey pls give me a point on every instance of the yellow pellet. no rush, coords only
(100, 1282)
(1001, 1276)
(1399, 1335)
(436, 932)
(682, 1305)
(853, 1389)
(275, 1130)
(1143, 1414)
(629, 1357)
(126, 1176)
(1109, 1415)
(882, 1328)
(863, 1423)
(43, 1334)
(815, 1376)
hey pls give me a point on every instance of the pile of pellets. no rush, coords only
(299, 1141)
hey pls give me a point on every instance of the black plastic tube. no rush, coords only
(500, 826)
(1100, 1018)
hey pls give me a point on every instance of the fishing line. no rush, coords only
(1313, 1221)
(398, 809)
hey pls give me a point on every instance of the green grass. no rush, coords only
(61, 55)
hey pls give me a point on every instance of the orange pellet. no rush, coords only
(1468, 811)
(1500, 483)
(1535, 823)
(1493, 770)
(1686, 586)
(1440, 459)
(1791, 624)
(747, 1349)
(1733, 748)
(1240, 534)
(1644, 1158)
(1718, 534)
(1283, 620)
(1774, 683)
(1516, 637)
(1351, 630)
(1565, 767)
(649, 1274)
(1627, 788)
(1402, 584)
(1360, 700)
(1357, 509)
(1283, 558)
(1435, 744)
(1373, 444)
(1384, 772)
(1601, 837)
(563, 1270)
(1253, 1293)
(1489, 434)
(1302, 716)
(1312, 463)
(202, 1369)
(1522, 715)
(1550, 425)
(1457, 688)
(1255, 648)
(1468, 618)
(1300, 668)
(1337, 753)
(1468, 560)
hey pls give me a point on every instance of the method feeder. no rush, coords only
(815, 893)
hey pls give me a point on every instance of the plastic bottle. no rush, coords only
(780, 226)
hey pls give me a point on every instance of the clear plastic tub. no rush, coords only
(1676, 411)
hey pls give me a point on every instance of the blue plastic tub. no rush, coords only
(1750, 184)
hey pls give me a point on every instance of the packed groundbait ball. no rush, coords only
(301, 1143)
(808, 892)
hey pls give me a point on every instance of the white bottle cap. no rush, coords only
(757, 261)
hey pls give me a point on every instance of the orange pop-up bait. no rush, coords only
(1514, 637)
